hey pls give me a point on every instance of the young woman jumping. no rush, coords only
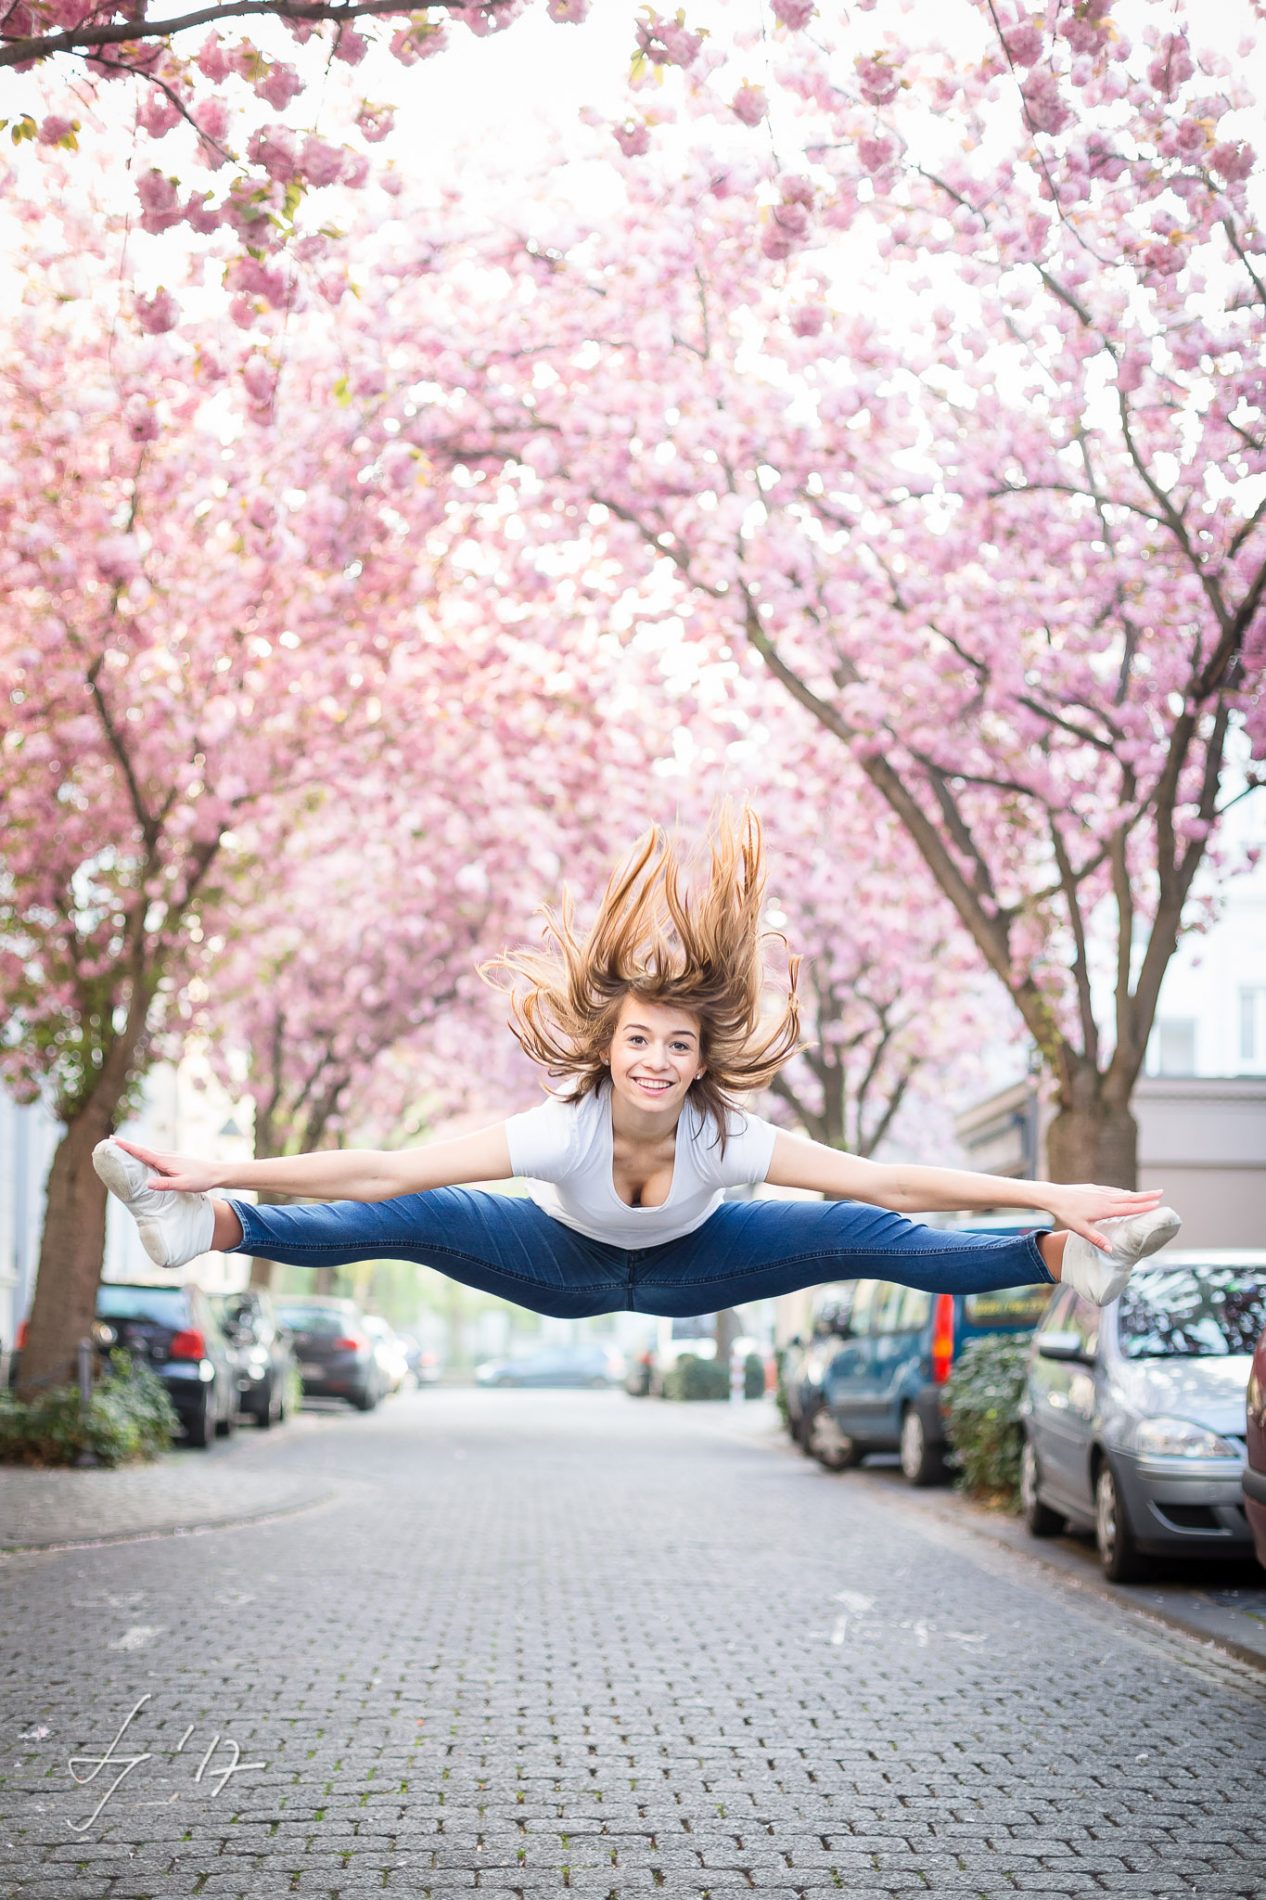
(653, 1021)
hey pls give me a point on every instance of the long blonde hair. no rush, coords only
(702, 951)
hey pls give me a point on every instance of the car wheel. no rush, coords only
(264, 1413)
(365, 1401)
(1039, 1519)
(834, 1450)
(921, 1462)
(1118, 1552)
(224, 1427)
(199, 1427)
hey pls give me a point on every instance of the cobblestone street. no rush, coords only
(524, 1643)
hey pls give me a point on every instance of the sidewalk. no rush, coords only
(1199, 1600)
(237, 1480)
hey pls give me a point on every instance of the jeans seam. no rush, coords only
(832, 1253)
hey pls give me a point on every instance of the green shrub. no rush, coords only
(982, 1396)
(695, 1378)
(128, 1418)
(753, 1376)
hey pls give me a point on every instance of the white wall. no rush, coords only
(28, 1137)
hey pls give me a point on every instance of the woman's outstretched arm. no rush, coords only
(800, 1163)
(342, 1174)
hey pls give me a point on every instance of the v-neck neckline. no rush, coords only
(609, 1169)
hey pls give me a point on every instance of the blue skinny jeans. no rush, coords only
(745, 1250)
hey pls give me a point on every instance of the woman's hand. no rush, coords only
(178, 1173)
(1079, 1206)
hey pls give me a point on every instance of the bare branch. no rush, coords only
(137, 30)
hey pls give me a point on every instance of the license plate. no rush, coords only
(309, 1371)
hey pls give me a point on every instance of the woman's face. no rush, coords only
(654, 1056)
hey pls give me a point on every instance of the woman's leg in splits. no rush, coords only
(498, 1243)
(755, 1250)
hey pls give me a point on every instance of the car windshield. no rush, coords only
(1006, 1306)
(1190, 1312)
(165, 1305)
(314, 1319)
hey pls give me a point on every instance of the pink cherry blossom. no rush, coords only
(750, 104)
(158, 313)
(633, 138)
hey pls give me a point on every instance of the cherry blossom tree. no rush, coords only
(960, 438)
(893, 1004)
(225, 596)
(220, 101)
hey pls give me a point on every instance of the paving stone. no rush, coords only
(576, 1643)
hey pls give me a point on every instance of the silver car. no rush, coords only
(1134, 1413)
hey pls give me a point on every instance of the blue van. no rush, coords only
(883, 1387)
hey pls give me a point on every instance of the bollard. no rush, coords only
(84, 1355)
(737, 1370)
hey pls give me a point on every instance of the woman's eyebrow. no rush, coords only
(676, 1032)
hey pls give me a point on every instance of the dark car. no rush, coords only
(1253, 1477)
(1134, 1413)
(883, 1388)
(336, 1355)
(173, 1330)
(555, 1366)
(805, 1363)
(265, 1355)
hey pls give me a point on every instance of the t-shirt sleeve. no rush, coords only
(541, 1140)
(749, 1149)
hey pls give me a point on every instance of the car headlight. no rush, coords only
(1181, 1438)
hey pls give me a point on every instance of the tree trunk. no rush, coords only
(71, 1250)
(727, 1331)
(1091, 1138)
(262, 1271)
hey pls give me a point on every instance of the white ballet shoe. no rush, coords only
(1100, 1277)
(175, 1228)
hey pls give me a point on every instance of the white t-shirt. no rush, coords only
(564, 1150)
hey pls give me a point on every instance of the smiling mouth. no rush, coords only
(652, 1088)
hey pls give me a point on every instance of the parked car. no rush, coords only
(690, 1333)
(390, 1350)
(426, 1367)
(806, 1360)
(1253, 1477)
(640, 1371)
(264, 1352)
(1134, 1414)
(174, 1331)
(882, 1388)
(555, 1366)
(336, 1354)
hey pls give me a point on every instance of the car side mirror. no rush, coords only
(1063, 1346)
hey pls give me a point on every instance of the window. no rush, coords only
(1173, 1046)
(1192, 1312)
(162, 1305)
(863, 1300)
(916, 1310)
(1006, 1307)
(833, 1306)
(1253, 1027)
(887, 1308)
